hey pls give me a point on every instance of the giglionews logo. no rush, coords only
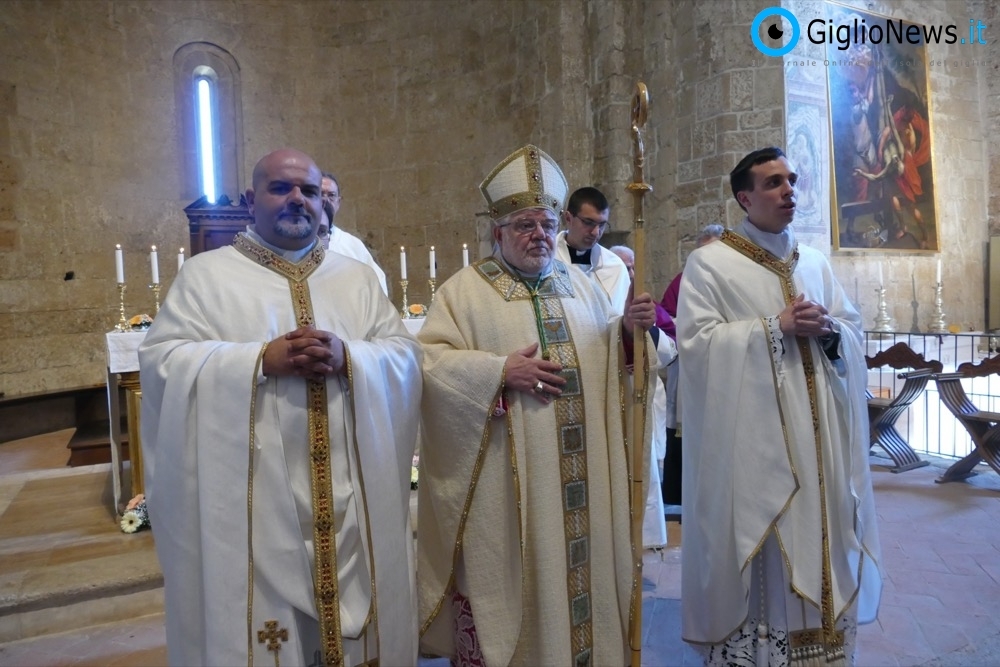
(775, 31)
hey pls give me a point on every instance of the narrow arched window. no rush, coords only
(206, 126)
(210, 120)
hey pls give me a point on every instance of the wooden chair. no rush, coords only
(983, 426)
(883, 412)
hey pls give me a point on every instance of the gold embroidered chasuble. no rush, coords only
(324, 531)
(539, 538)
(377, 452)
(775, 441)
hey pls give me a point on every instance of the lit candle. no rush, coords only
(402, 263)
(433, 263)
(880, 283)
(119, 264)
(465, 254)
(180, 259)
(154, 264)
(939, 272)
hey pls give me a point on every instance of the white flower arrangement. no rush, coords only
(136, 516)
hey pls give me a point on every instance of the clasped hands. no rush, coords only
(306, 352)
(805, 318)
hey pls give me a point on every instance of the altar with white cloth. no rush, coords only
(122, 349)
(413, 324)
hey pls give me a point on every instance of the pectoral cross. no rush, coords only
(273, 636)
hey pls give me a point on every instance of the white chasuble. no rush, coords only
(280, 507)
(605, 267)
(775, 442)
(526, 511)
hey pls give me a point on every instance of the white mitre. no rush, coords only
(527, 178)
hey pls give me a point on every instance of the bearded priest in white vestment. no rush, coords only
(280, 404)
(525, 555)
(780, 556)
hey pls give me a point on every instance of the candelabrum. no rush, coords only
(405, 310)
(938, 325)
(883, 323)
(122, 325)
(156, 295)
(915, 322)
(432, 282)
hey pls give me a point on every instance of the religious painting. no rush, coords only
(809, 153)
(883, 195)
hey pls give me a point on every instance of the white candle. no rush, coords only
(402, 263)
(433, 268)
(180, 259)
(465, 254)
(880, 283)
(938, 273)
(154, 264)
(119, 264)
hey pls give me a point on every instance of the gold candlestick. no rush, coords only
(156, 295)
(432, 282)
(122, 325)
(405, 311)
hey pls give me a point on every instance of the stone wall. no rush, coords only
(720, 99)
(960, 144)
(725, 98)
(411, 102)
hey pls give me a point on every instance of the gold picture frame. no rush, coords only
(881, 147)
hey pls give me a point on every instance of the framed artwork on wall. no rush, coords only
(883, 178)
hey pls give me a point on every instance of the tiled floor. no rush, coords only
(941, 605)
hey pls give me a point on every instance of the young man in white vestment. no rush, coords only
(586, 220)
(780, 557)
(524, 548)
(280, 403)
(336, 239)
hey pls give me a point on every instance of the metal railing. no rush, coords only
(928, 426)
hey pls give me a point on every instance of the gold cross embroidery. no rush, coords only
(273, 636)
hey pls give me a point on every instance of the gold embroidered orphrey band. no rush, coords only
(326, 584)
(547, 308)
(827, 641)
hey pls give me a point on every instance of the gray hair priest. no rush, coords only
(524, 548)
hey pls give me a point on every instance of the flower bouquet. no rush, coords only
(414, 472)
(135, 517)
(140, 322)
(418, 310)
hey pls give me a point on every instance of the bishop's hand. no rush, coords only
(534, 376)
(639, 311)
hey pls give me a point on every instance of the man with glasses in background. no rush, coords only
(336, 239)
(524, 546)
(586, 218)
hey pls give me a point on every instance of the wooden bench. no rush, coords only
(884, 412)
(982, 426)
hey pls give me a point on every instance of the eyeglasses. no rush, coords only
(524, 227)
(332, 196)
(592, 224)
